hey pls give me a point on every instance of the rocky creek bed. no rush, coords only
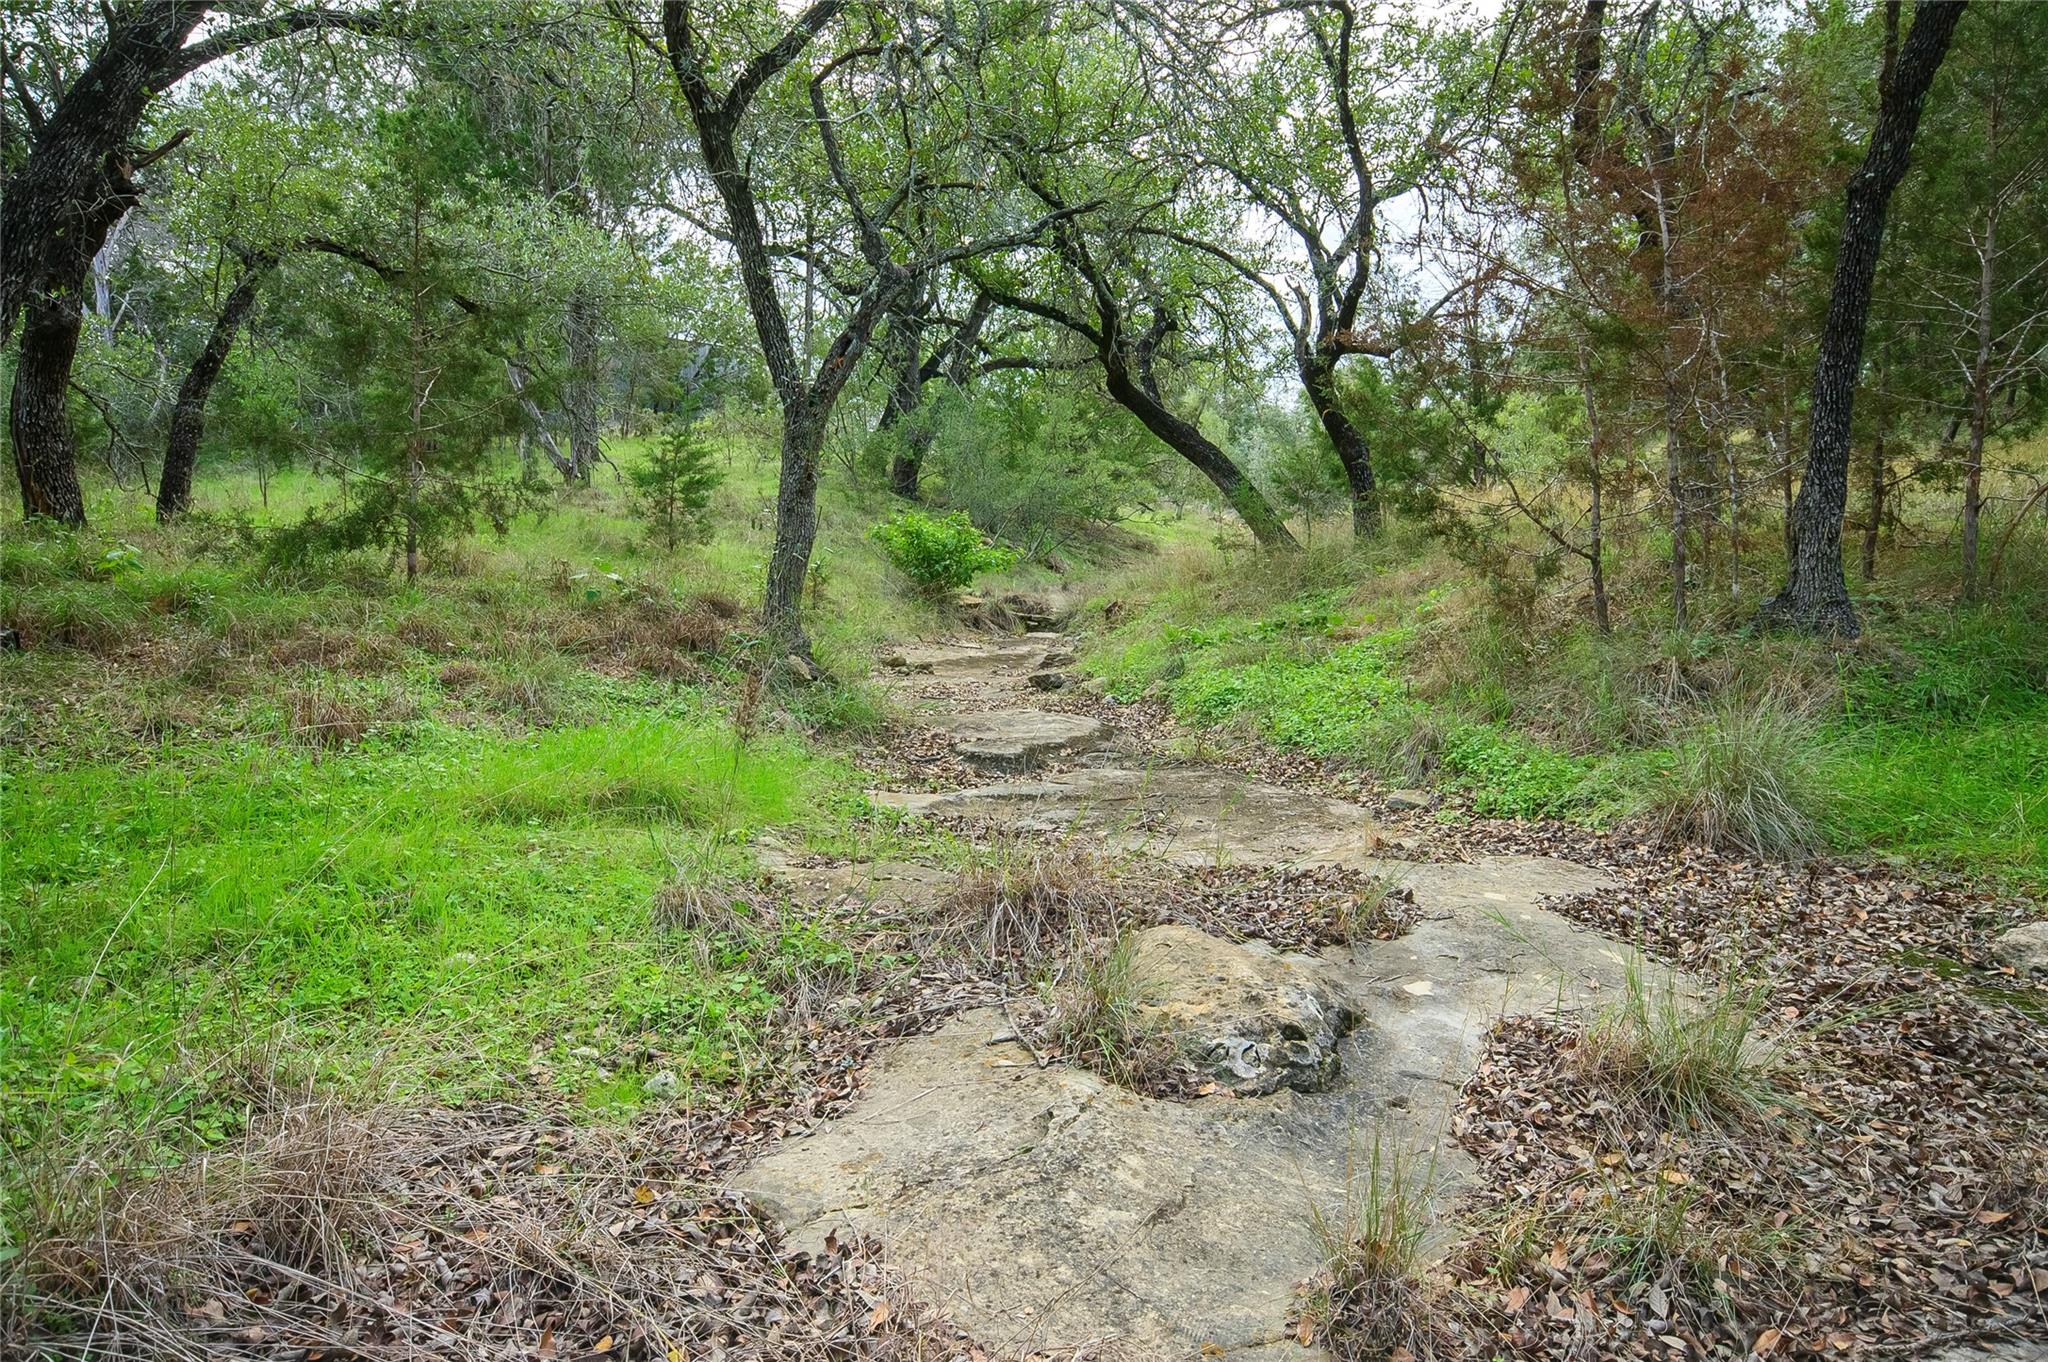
(1048, 1211)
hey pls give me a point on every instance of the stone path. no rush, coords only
(1046, 1208)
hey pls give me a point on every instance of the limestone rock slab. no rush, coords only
(1020, 740)
(1243, 1013)
(2024, 948)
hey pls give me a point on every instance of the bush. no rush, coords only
(939, 553)
(1745, 775)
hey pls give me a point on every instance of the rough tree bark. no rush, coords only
(1815, 597)
(188, 413)
(1875, 521)
(906, 394)
(952, 359)
(77, 182)
(1318, 368)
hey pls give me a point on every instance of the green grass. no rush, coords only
(457, 907)
(410, 838)
(1927, 743)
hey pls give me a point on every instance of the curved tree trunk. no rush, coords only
(1186, 440)
(1815, 596)
(188, 414)
(1318, 379)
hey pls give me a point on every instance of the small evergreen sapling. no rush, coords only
(673, 487)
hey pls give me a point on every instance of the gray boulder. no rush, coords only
(2024, 949)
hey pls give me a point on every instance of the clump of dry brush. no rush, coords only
(1018, 900)
(430, 1234)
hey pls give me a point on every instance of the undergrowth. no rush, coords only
(1927, 741)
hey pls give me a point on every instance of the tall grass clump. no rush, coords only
(1693, 1059)
(1100, 1017)
(1015, 897)
(1370, 1299)
(1744, 774)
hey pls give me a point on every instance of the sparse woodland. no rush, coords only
(530, 509)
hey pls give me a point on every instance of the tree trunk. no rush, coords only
(188, 414)
(1674, 476)
(1815, 596)
(1980, 407)
(583, 396)
(1186, 440)
(906, 394)
(796, 528)
(1596, 548)
(38, 417)
(1318, 378)
(536, 423)
(1875, 521)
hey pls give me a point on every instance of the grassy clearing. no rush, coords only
(1926, 741)
(426, 842)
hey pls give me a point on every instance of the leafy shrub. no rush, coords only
(939, 553)
(1511, 777)
(1748, 775)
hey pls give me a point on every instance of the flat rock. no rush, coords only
(1408, 799)
(1188, 814)
(1253, 1019)
(1019, 740)
(1048, 1207)
(2024, 948)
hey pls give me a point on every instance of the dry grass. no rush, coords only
(714, 905)
(1018, 898)
(1692, 1059)
(1746, 774)
(429, 1235)
(318, 719)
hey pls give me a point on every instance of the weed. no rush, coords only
(1099, 1015)
(1744, 775)
(1694, 1060)
(1370, 1299)
(315, 717)
(1380, 911)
